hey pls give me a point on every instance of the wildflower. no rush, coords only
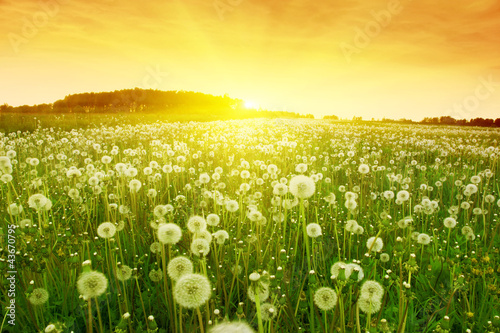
(106, 230)
(25, 223)
(423, 239)
(192, 290)
(160, 211)
(204, 235)
(123, 272)
(200, 247)
(466, 230)
(254, 277)
(204, 178)
(351, 225)
(301, 168)
(178, 267)
(156, 275)
(232, 206)
(363, 169)
(39, 296)
(450, 222)
(280, 189)
(38, 201)
(196, 224)
(313, 230)
(350, 204)
(403, 195)
(155, 247)
(234, 327)
(169, 233)
(221, 236)
(134, 185)
(369, 305)
(372, 290)
(375, 244)
(335, 269)
(325, 298)
(268, 311)
(92, 284)
(302, 187)
(213, 219)
(384, 257)
(263, 289)
(14, 209)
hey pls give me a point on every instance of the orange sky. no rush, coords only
(372, 58)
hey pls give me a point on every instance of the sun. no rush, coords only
(250, 105)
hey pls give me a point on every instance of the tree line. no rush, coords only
(149, 100)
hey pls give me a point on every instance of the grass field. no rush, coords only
(273, 225)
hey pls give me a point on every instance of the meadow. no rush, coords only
(250, 226)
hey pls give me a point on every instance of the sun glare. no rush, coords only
(250, 105)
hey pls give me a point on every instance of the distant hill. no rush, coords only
(147, 101)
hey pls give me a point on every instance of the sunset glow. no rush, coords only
(374, 59)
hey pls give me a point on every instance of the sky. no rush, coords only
(372, 59)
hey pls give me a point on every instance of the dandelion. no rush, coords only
(39, 296)
(25, 223)
(14, 209)
(213, 220)
(37, 201)
(475, 179)
(268, 311)
(155, 247)
(466, 230)
(423, 239)
(192, 290)
(350, 204)
(384, 257)
(336, 269)
(169, 233)
(450, 222)
(106, 230)
(301, 168)
(263, 289)
(232, 206)
(369, 306)
(221, 236)
(403, 195)
(92, 284)
(204, 178)
(196, 224)
(155, 275)
(374, 244)
(313, 230)
(204, 235)
(234, 327)
(134, 185)
(200, 247)
(372, 290)
(363, 169)
(325, 298)
(280, 189)
(160, 211)
(123, 272)
(178, 267)
(351, 225)
(302, 187)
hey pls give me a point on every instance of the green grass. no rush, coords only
(453, 281)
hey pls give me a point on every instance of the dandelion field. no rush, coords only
(251, 226)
